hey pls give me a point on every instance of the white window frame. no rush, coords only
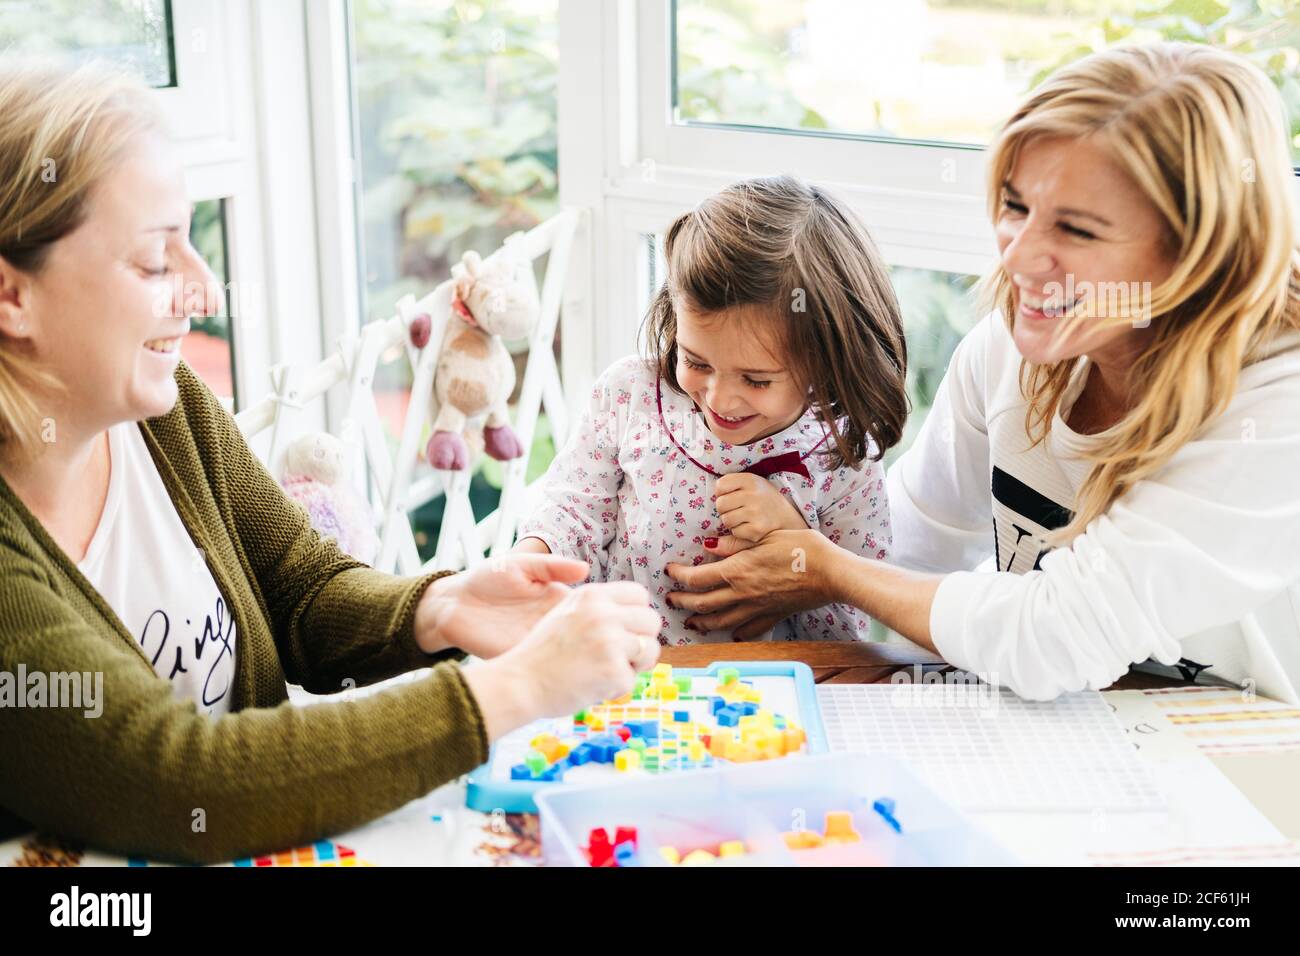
(924, 204)
(623, 157)
(624, 160)
(332, 108)
(239, 115)
(209, 119)
(332, 111)
(201, 106)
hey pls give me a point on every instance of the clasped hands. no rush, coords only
(773, 564)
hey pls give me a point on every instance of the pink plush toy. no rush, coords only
(495, 298)
(316, 476)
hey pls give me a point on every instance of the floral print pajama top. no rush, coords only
(631, 491)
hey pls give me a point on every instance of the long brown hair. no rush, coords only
(1201, 133)
(797, 253)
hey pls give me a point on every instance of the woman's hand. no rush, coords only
(757, 585)
(587, 649)
(752, 507)
(489, 609)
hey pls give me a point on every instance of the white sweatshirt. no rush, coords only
(1199, 564)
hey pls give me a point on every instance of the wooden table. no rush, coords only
(832, 662)
(849, 662)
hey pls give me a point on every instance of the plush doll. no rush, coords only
(494, 299)
(316, 476)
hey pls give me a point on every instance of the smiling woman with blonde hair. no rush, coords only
(144, 548)
(1122, 434)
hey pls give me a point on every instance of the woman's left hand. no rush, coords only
(757, 585)
(488, 609)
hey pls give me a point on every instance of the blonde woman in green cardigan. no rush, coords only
(142, 545)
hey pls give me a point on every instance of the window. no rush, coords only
(456, 126)
(135, 34)
(933, 70)
(938, 309)
(888, 105)
(209, 348)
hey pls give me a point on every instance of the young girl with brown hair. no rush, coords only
(773, 386)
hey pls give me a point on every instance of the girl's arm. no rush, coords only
(531, 546)
(578, 512)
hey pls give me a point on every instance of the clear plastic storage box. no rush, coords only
(758, 804)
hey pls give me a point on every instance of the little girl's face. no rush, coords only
(725, 363)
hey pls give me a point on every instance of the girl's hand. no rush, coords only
(489, 609)
(757, 585)
(752, 507)
(588, 648)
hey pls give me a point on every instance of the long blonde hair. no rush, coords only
(61, 132)
(1202, 134)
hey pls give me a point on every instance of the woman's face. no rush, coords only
(1073, 227)
(107, 310)
(728, 366)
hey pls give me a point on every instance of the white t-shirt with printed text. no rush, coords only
(152, 574)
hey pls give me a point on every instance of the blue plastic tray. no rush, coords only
(486, 794)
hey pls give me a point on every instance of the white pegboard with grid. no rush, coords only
(986, 749)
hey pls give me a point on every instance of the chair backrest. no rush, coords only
(462, 540)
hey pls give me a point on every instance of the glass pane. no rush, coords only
(456, 120)
(209, 348)
(651, 269)
(135, 34)
(935, 70)
(938, 309)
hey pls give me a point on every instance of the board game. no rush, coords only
(674, 720)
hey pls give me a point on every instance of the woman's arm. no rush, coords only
(1202, 543)
(792, 571)
(133, 770)
(151, 775)
(857, 520)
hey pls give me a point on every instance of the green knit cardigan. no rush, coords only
(151, 776)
